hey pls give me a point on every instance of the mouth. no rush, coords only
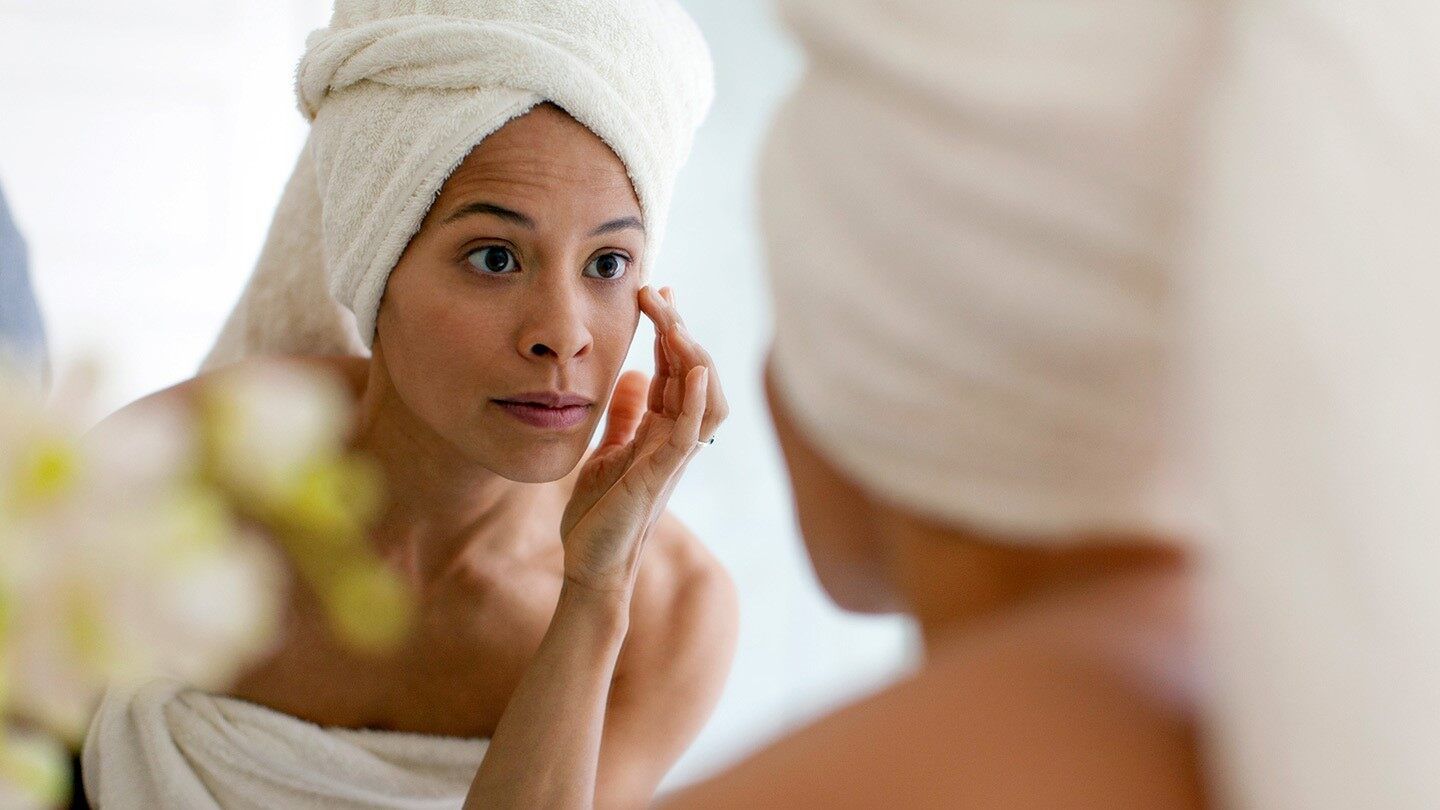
(547, 410)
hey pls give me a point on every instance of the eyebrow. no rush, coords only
(471, 209)
(621, 224)
(500, 211)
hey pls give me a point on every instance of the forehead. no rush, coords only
(544, 159)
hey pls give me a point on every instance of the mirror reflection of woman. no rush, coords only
(495, 354)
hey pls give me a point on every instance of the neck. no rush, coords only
(950, 578)
(439, 503)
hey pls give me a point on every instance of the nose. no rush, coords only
(554, 327)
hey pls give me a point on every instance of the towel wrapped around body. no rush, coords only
(164, 745)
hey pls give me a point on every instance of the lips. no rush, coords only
(547, 410)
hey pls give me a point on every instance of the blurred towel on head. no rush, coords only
(399, 91)
(968, 214)
(1060, 271)
(165, 746)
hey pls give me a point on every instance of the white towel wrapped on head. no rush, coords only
(400, 91)
(967, 211)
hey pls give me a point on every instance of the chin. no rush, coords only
(539, 464)
(853, 585)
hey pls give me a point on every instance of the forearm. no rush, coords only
(545, 750)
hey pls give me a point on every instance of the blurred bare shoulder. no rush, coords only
(1026, 713)
(353, 370)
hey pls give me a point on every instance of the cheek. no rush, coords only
(615, 319)
(439, 341)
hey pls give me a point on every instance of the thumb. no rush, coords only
(627, 406)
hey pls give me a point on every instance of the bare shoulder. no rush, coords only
(681, 588)
(681, 640)
(352, 370)
(672, 669)
(1034, 712)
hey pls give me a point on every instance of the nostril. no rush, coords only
(540, 350)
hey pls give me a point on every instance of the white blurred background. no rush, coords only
(143, 146)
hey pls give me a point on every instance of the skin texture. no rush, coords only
(450, 337)
(495, 523)
(1055, 676)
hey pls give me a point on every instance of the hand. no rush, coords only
(649, 439)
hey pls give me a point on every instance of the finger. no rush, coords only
(689, 354)
(684, 353)
(627, 406)
(684, 437)
(662, 375)
(675, 383)
(654, 309)
(652, 476)
(666, 323)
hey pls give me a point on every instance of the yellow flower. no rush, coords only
(34, 772)
(44, 472)
(369, 604)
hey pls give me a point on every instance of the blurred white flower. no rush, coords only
(119, 564)
(268, 422)
(137, 551)
(164, 584)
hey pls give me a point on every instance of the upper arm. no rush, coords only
(1017, 731)
(672, 669)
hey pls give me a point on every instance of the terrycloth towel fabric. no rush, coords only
(966, 218)
(163, 746)
(1055, 270)
(399, 91)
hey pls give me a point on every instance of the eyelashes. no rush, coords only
(493, 260)
(498, 260)
(609, 266)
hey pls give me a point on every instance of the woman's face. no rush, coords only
(837, 521)
(506, 320)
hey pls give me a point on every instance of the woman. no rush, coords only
(1111, 274)
(496, 335)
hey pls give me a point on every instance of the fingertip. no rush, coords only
(698, 378)
(632, 379)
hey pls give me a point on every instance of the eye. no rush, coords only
(607, 266)
(493, 260)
